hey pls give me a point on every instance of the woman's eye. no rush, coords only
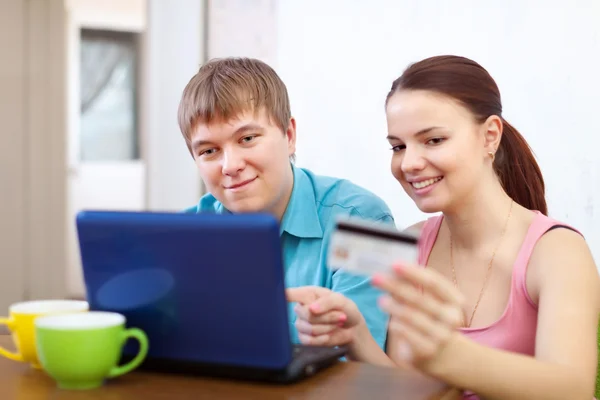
(247, 139)
(435, 141)
(398, 147)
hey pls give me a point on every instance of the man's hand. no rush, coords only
(325, 318)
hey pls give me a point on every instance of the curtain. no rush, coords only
(99, 58)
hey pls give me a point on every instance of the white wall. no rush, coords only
(245, 28)
(174, 51)
(109, 14)
(339, 58)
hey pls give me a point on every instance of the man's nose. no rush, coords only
(233, 162)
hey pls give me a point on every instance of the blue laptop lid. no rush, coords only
(206, 288)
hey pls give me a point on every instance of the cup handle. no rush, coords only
(141, 337)
(10, 323)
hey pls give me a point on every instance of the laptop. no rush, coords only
(207, 289)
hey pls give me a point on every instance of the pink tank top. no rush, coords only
(516, 329)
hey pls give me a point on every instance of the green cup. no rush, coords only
(81, 351)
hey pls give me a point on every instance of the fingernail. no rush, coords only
(315, 307)
(343, 318)
(377, 279)
(383, 301)
(399, 268)
(405, 351)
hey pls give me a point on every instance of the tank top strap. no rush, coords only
(427, 238)
(539, 226)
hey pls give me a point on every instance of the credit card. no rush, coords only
(366, 247)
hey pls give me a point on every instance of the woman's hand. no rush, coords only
(425, 311)
(325, 318)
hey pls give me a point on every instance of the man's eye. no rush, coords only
(206, 152)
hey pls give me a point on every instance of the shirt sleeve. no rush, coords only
(190, 210)
(358, 288)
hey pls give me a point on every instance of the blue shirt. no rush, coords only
(305, 230)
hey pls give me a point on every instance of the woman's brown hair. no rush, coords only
(470, 84)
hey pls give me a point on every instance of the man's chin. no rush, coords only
(239, 207)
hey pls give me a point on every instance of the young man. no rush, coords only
(235, 117)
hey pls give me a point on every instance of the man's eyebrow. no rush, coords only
(199, 143)
(251, 126)
(242, 129)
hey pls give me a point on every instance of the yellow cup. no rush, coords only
(22, 327)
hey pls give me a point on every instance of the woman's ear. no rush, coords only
(492, 133)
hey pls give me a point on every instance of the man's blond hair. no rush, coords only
(223, 88)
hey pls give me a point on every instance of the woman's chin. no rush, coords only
(429, 207)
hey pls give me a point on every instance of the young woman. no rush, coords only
(508, 301)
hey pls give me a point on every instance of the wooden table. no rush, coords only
(347, 380)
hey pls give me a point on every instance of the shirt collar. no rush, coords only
(301, 218)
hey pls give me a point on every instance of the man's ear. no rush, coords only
(290, 135)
